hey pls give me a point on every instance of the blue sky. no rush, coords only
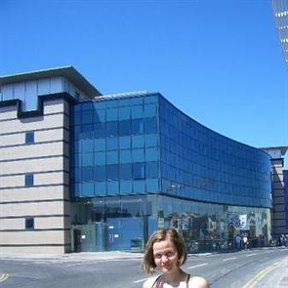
(220, 62)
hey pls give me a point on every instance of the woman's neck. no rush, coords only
(174, 278)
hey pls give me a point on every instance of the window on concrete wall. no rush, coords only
(29, 180)
(29, 137)
(29, 223)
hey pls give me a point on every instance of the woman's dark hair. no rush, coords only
(161, 235)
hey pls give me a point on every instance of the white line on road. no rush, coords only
(140, 280)
(229, 259)
(249, 255)
(197, 266)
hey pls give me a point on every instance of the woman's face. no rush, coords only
(165, 256)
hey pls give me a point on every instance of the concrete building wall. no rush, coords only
(47, 200)
(278, 216)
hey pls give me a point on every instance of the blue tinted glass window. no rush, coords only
(112, 172)
(150, 110)
(99, 144)
(112, 188)
(99, 158)
(99, 130)
(100, 188)
(87, 189)
(151, 154)
(111, 129)
(152, 170)
(138, 155)
(137, 141)
(87, 159)
(150, 125)
(138, 186)
(112, 157)
(100, 173)
(137, 112)
(87, 106)
(87, 145)
(29, 223)
(151, 140)
(112, 115)
(126, 187)
(87, 174)
(29, 137)
(125, 171)
(77, 118)
(112, 143)
(125, 142)
(29, 180)
(87, 117)
(100, 116)
(124, 128)
(138, 171)
(137, 126)
(125, 156)
(152, 185)
(124, 113)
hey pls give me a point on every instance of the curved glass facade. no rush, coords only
(139, 163)
(199, 164)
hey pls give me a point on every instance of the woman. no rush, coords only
(166, 251)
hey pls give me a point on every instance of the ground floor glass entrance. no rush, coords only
(125, 223)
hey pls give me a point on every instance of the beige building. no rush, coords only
(34, 159)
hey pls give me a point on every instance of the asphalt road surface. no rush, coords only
(245, 269)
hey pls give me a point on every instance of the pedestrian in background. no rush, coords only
(166, 251)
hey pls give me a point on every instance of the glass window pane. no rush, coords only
(112, 114)
(124, 113)
(151, 140)
(112, 143)
(100, 188)
(124, 128)
(138, 187)
(137, 126)
(112, 188)
(87, 174)
(112, 172)
(99, 144)
(100, 173)
(137, 112)
(125, 142)
(100, 158)
(151, 125)
(138, 155)
(125, 171)
(87, 159)
(125, 156)
(151, 154)
(126, 187)
(152, 185)
(111, 129)
(138, 171)
(137, 141)
(152, 170)
(112, 157)
(150, 110)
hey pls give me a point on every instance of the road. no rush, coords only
(245, 269)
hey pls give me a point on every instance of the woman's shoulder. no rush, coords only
(150, 281)
(198, 282)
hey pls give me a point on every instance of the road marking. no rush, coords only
(3, 277)
(254, 281)
(249, 255)
(229, 259)
(140, 280)
(197, 266)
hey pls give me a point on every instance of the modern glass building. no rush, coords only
(280, 9)
(86, 172)
(140, 163)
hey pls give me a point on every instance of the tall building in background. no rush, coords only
(84, 172)
(280, 9)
